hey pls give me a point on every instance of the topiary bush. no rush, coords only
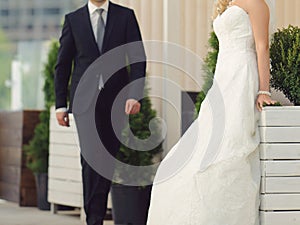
(285, 62)
(139, 126)
(201, 96)
(209, 68)
(210, 61)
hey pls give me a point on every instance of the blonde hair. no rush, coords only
(220, 7)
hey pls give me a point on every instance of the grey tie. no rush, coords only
(100, 30)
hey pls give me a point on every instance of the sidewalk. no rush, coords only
(12, 214)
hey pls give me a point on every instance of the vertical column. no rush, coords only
(297, 13)
(157, 20)
(289, 12)
(190, 23)
(156, 69)
(175, 34)
(203, 27)
(280, 13)
(175, 21)
(190, 27)
(145, 18)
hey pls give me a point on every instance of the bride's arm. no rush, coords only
(260, 16)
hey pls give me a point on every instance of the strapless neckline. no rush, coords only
(234, 6)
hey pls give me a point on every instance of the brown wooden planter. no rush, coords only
(17, 183)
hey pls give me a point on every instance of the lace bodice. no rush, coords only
(234, 30)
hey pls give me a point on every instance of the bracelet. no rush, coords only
(264, 93)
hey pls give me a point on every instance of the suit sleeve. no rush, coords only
(135, 53)
(63, 67)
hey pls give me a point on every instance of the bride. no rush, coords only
(219, 184)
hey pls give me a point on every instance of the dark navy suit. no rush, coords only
(78, 50)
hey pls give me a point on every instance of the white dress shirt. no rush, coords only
(94, 16)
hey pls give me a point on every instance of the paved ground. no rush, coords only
(12, 214)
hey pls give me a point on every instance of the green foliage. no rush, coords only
(5, 65)
(38, 149)
(275, 104)
(285, 62)
(139, 126)
(210, 62)
(209, 68)
(199, 100)
(49, 71)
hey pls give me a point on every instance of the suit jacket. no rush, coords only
(78, 50)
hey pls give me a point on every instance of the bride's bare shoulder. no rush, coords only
(255, 5)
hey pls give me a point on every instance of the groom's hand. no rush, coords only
(63, 119)
(132, 107)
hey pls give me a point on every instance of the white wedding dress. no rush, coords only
(219, 182)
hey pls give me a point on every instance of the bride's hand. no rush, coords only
(261, 99)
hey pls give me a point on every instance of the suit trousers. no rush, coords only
(95, 186)
(95, 194)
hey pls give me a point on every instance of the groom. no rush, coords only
(88, 33)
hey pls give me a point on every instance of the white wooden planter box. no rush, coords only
(65, 182)
(280, 164)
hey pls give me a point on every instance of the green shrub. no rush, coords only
(285, 62)
(275, 104)
(199, 100)
(209, 68)
(37, 151)
(139, 126)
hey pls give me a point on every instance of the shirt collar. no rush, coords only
(92, 8)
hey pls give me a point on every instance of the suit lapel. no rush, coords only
(109, 25)
(87, 29)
